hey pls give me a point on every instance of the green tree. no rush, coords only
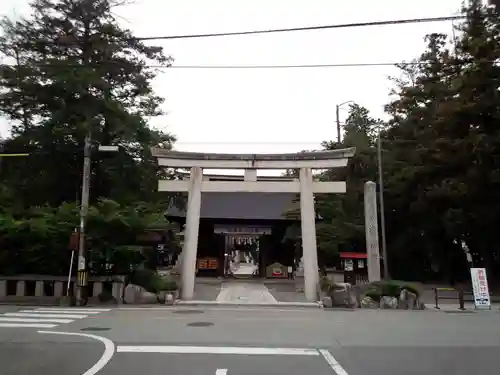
(445, 191)
(36, 240)
(71, 69)
(341, 224)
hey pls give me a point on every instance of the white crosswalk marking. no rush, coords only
(26, 325)
(35, 320)
(46, 317)
(64, 311)
(76, 309)
(41, 315)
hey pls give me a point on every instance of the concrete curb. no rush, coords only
(238, 304)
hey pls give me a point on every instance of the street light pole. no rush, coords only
(84, 207)
(337, 113)
(381, 201)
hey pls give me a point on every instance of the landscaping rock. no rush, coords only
(343, 296)
(419, 305)
(170, 299)
(369, 303)
(388, 302)
(409, 300)
(327, 302)
(135, 294)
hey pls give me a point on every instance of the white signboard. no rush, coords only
(371, 229)
(81, 263)
(349, 265)
(480, 288)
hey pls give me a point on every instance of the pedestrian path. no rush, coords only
(245, 293)
(244, 270)
(45, 317)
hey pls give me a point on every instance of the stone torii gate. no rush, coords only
(250, 163)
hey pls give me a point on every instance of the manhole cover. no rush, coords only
(95, 329)
(188, 312)
(200, 324)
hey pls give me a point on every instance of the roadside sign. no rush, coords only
(349, 265)
(105, 148)
(81, 263)
(480, 288)
(73, 241)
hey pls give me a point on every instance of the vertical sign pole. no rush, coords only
(70, 271)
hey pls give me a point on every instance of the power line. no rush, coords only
(292, 66)
(305, 28)
(67, 40)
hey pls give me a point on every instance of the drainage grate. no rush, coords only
(188, 312)
(95, 329)
(460, 312)
(200, 324)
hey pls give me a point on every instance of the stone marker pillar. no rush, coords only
(97, 288)
(39, 292)
(3, 288)
(191, 234)
(20, 288)
(308, 227)
(58, 288)
(371, 229)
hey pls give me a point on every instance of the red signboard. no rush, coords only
(352, 255)
(73, 241)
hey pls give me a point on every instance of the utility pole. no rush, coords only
(381, 202)
(82, 274)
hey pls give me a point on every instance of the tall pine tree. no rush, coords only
(71, 68)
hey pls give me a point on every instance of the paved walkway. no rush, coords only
(244, 269)
(245, 293)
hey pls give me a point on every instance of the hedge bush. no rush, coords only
(391, 288)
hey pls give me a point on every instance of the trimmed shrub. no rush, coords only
(169, 285)
(325, 284)
(374, 295)
(390, 289)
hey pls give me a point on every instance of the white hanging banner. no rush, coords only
(480, 288)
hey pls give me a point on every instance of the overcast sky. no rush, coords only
(272, 110)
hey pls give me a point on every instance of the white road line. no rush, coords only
(214, 350)
(26, 325)
(221, 371)
(62, 311)
(35, 320)
(109, 349)
(38, 315)
(339, 370)
(72, 309)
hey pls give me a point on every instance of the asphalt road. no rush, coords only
(244, 341)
